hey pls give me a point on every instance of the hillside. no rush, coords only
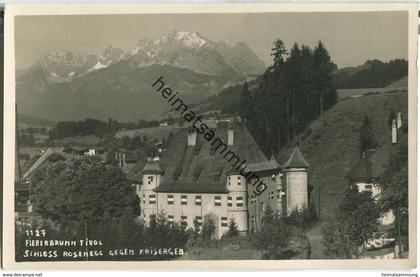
(372, 74)
(403, 82)
(27, 120)
(122, 91)
(331, 143)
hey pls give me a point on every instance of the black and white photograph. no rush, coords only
(201, 135)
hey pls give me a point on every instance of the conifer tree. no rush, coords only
(367, 140)
(391, 117)
(233, 229)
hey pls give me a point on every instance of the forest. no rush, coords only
(373, 74)
(95, 127)
(293, 91)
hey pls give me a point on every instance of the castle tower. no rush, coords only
(296, 171)
(149, 201)
(237, 200)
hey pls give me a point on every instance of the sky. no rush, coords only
(350, 37)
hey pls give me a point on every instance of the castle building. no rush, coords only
(193, 179)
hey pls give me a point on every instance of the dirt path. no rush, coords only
(315, 239)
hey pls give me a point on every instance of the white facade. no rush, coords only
(296, 189)
(385, 219)
(185, 207)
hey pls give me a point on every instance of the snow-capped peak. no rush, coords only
(190, 39)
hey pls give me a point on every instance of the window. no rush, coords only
(184, 200)
(368, 186)
(224, 221)
(253, 199)
(150, 180)
(184, 220)
(152, 199)
(152, 217)
(239, 180)
(170, 199)
(239, 201)
(144, 199)
(229, 180)
(230, 201)
(218, 201)
(198, 200)
(199, 220)
(171, 218)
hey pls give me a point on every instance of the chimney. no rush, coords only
(394, 132)
(192, 137)
(399, 120)
(124, 164)
(231, 135)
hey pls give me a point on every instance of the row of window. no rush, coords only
(271, 196)
(217, 199)
(198, 200)
(238, 182)
(199, 219)
(150, 180)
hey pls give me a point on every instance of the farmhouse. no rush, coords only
(361, 175)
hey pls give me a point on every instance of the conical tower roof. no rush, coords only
(296, 160)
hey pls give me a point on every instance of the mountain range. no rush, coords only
(114, 83)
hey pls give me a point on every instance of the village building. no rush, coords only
(361, 175)
(192, 179)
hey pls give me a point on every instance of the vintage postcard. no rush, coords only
(226, 136)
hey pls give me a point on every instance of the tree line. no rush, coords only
(374, 74)
(292, 92)
(96, 127)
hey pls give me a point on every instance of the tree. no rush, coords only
(245, 103)
(78, 191)
(323, 67)
(394, 195)
(366, 139)
(274, 236)
(278, 53)
(354, 224)
(391, 117)
(233, 229)
(208, 230)
(174, 234)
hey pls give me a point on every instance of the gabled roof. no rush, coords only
(200, 168)
(48, 154)
(296, 160)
